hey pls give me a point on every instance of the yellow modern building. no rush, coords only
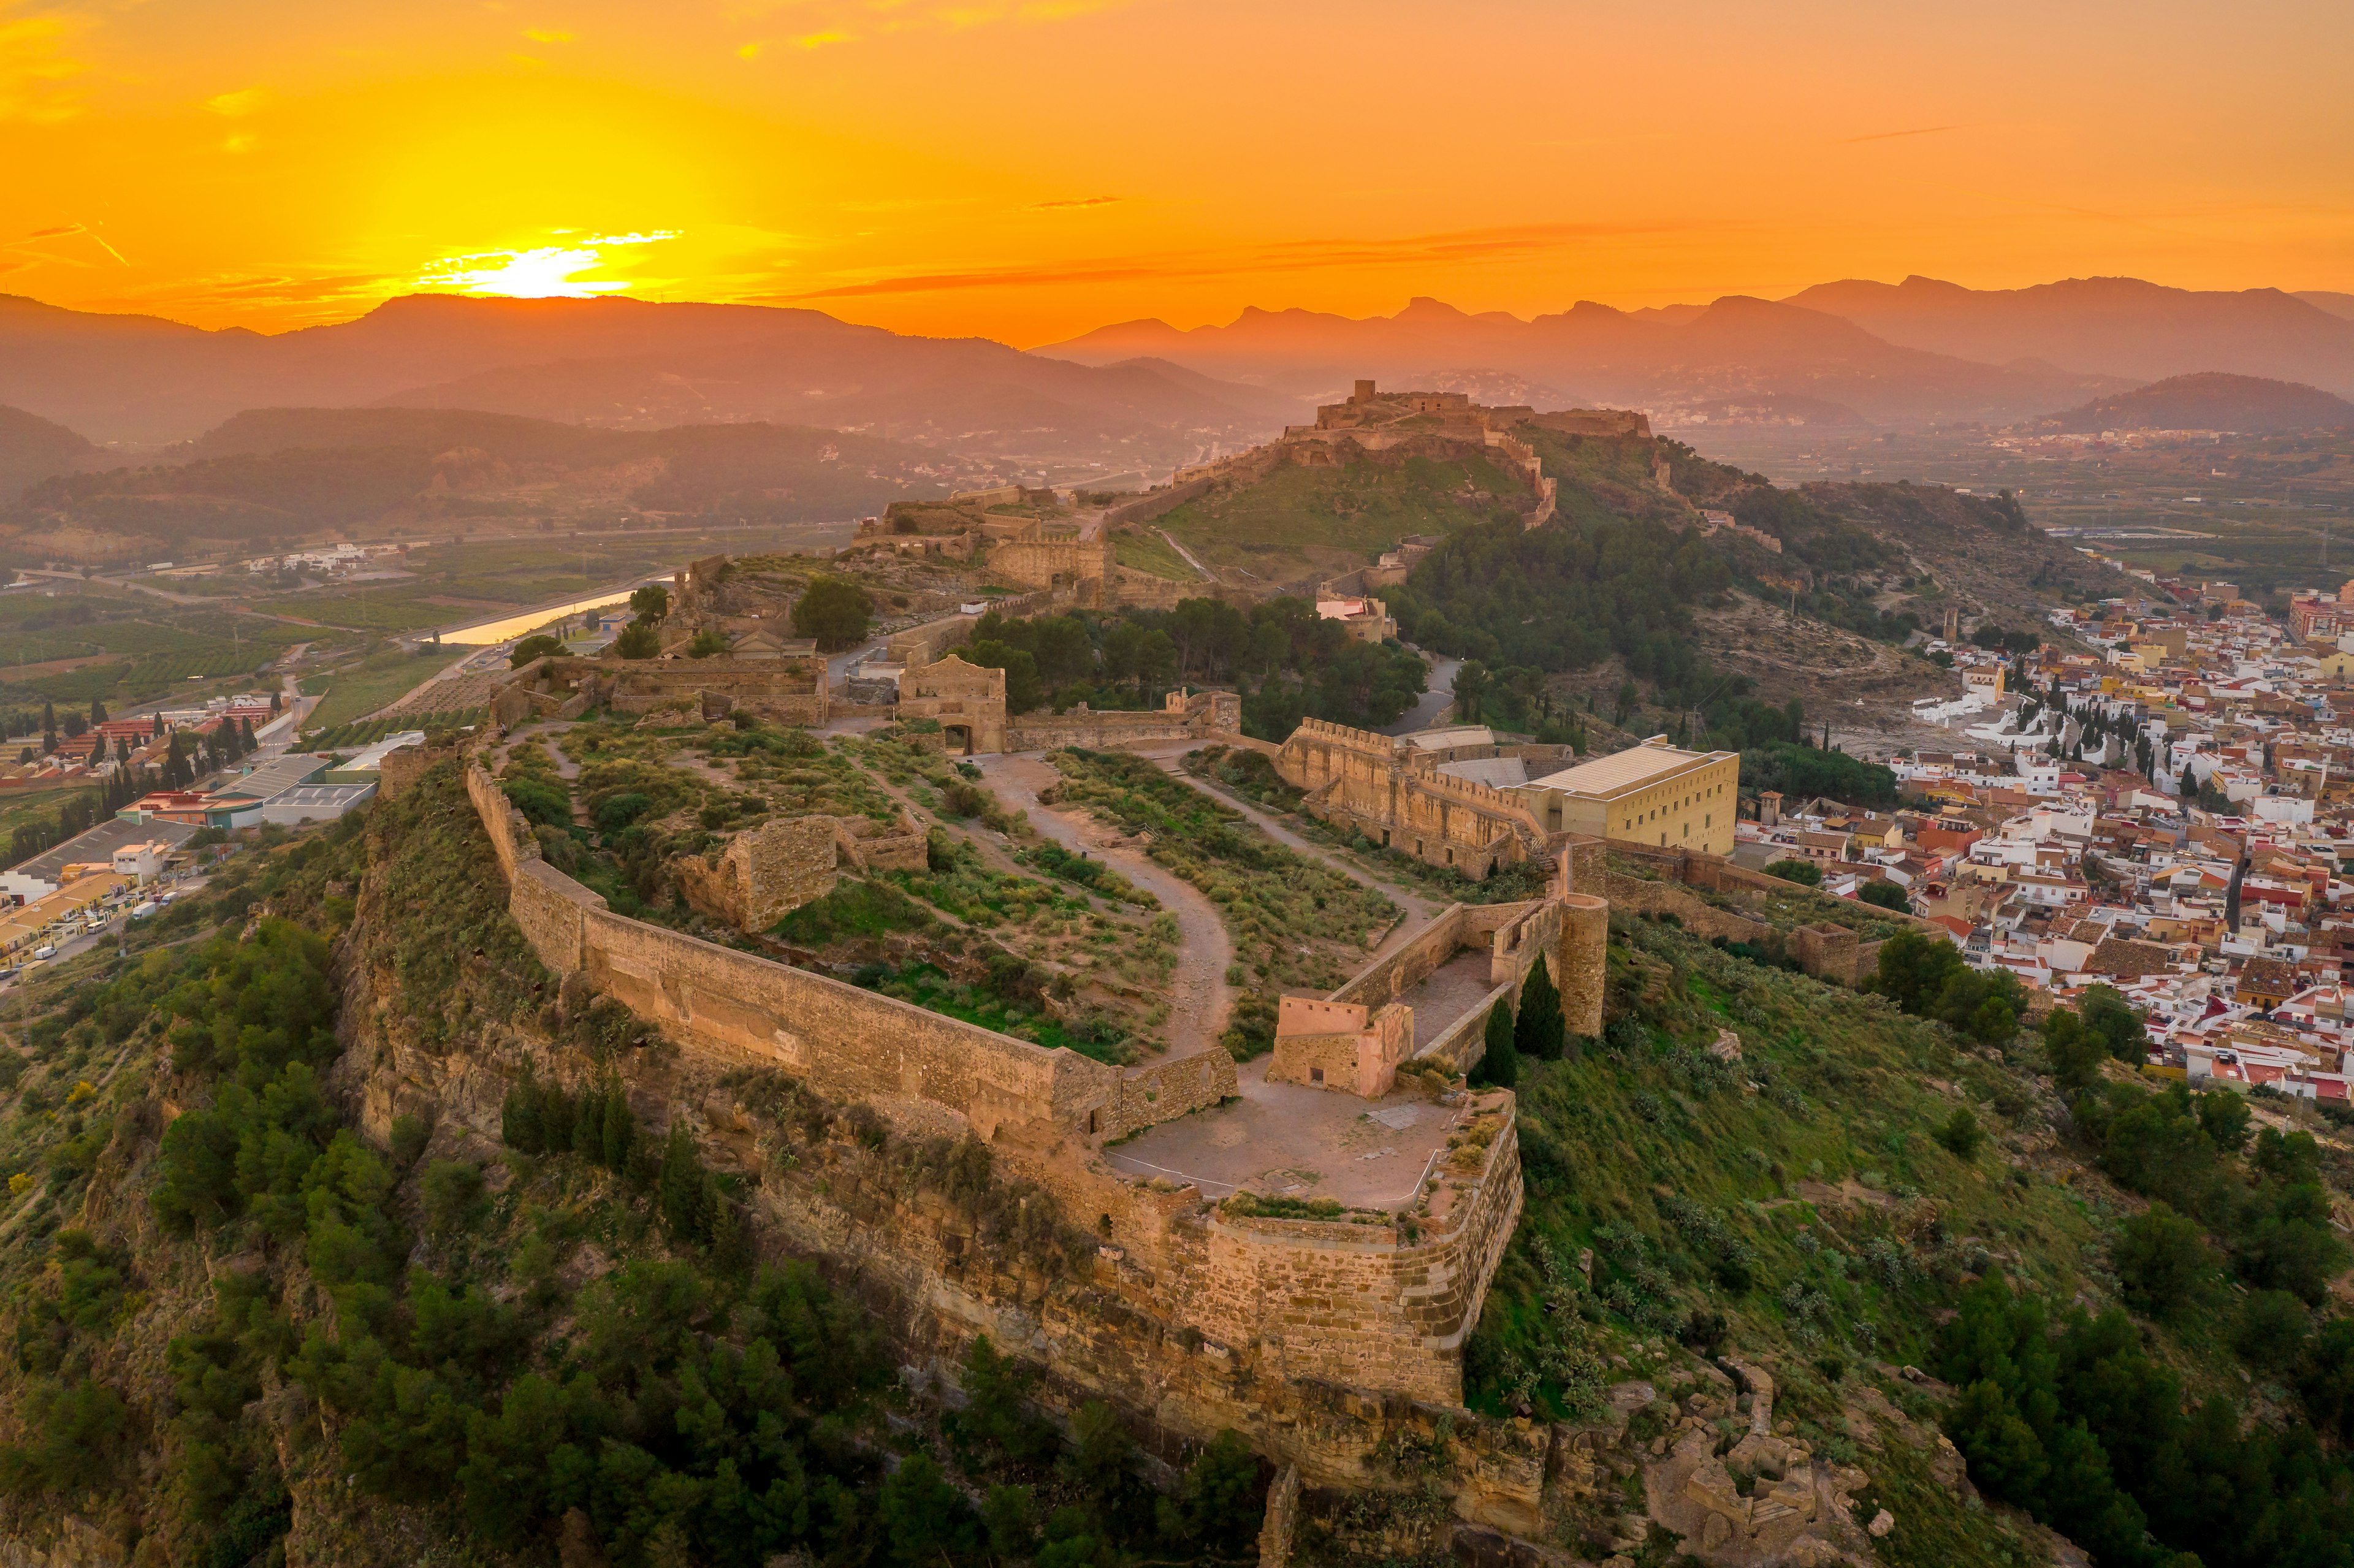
(1653, 794)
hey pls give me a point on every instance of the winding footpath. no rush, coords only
(1198, 997)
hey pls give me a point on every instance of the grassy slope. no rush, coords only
(1804, 1195)
(1298, 516)
(1143, 549)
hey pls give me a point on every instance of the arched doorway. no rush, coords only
(958, 738)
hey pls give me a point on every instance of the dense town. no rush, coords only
(2164, 815)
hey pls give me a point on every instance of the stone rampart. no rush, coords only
(1365, 1305)
(1374, 784)
(1158, 503)
(1376, 1306)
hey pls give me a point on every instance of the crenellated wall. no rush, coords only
(1384, 1304)
(1379, 786)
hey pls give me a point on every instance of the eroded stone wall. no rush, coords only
(1377, 1306)
(765, 872)
(1376, 784)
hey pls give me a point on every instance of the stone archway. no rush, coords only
(958, 738)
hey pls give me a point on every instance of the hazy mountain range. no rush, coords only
(1145, 394)
(613, 362)
(1918, 352)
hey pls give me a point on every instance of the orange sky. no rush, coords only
(1026, 169)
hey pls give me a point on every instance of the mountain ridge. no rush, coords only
(2209, 401)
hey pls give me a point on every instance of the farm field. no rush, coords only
(357, 690)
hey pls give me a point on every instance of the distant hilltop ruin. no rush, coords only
(1374, 419)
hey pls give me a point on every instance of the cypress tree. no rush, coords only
(1500, 1063)
(617, 1133)
(589, 1124)
(1539, 1029)
(519, 1125)
(679, 1189)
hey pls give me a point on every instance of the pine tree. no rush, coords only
(1538, 1032)
(1500, 1063)
(97, 711)
(48, 716)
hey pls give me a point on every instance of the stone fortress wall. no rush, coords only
(1366, 1304)
(1386, 790)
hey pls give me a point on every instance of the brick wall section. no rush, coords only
(1514, 935)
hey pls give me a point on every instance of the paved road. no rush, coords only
(1435, 700)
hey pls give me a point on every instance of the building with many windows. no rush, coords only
(1653, 794)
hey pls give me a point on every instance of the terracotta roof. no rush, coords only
(2126, 958)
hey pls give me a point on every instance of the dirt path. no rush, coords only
(1419, 909)
(1198, 997)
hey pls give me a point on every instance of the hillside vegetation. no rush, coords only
(248, 1329)
(1298, 520)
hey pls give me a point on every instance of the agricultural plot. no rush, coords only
(367, 732)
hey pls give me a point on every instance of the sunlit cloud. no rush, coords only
(233, 105)
(34, 69)
(550, 36)
(538, 272)
(819, 41)
(238, 141)
(1075, 202)
(750, 51)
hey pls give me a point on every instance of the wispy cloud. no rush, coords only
(1893, 136)
(1074, 201)
(1291, 256)
(35, 72)
(238, 104)
(57, 243)
(550, 36)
